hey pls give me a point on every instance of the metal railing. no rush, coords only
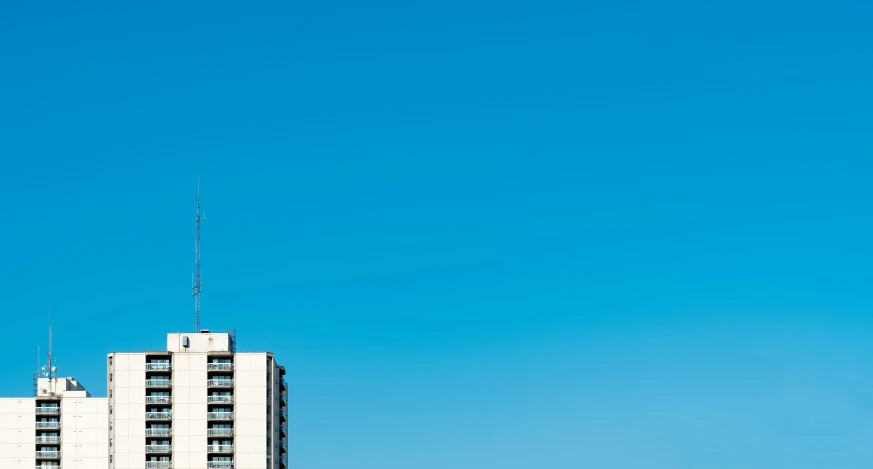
(219, 432)
(220, 449)
(219, 415)
(220, 383)
(48, 454)
(158, 383)
(157, 448)
(284, 462)
(221, 399)
(158, 399)
(219, 366)
(219, 464)
(157, 432)
(48, 410)
(48, 439)
(284, 383)
(157, 464)
(158, 366)
(159, 415)
(48, 425)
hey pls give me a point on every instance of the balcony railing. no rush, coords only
(220, 448)
(284, 462)
(48, 454)
(48, 439)
(157, 464)
(48, 425)
(219, 415)
(219, 399)
(219, 464)
(48, 410)
(159, 415)
(158, 399)
(158, 367)
(158, 383)
(220, 383)
(284, 384)
(282, 429)
(157, 432)
(219, 432)
(157, 448)
(219, 366)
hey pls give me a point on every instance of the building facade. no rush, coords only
(62, 426)
(197, 404)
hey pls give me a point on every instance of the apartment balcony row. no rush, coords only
(48, 439)
(158, 448)
(158, 415)
(160, 366)
(220, 449)
(219, 366)
(48, 425)
(49, 410)
(220, 383)
(158, 383)
(158, 399)
(48, 455)
(219, 415)
(219, 432)
(219, 464)
(157, 432)
(157, 464)
(219, 399)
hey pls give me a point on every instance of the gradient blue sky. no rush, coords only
(542, 235)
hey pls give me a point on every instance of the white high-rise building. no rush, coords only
(62, 426)
(198, 404)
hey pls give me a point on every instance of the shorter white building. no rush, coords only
(63, 426)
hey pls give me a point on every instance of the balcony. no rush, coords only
(48, 425)
(219, 399)
(283, 462)
(219, 464)
(219, 366)
(158, 448)
(282, 430)
(219, 415)
(158, 383)
(48, 455)
(159, 415)
(220, 449)
(284, 384)
(157, 432)
(48, 439)
(53, 410)
(157, 464)
(158, 399)
(158, 367)
(284, 414)
(219, 432)
(220, 383)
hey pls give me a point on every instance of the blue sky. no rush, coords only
(478, 234)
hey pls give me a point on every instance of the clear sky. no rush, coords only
(545, 235)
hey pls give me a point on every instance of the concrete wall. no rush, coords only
(127, 401)
(189, 411)
(250, 419)
(84, 433)
(17, 433)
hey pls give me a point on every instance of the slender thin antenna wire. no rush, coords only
(198, 279)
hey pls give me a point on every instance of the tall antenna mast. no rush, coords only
(50, 370)
(198, 282)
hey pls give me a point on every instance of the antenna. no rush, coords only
(198, 281)
(50, 371)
